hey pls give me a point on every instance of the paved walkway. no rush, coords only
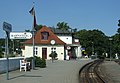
(57, 72)
(112, 70)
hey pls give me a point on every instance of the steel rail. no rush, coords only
(89, 74)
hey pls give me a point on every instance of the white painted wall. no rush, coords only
(28, 51)
(79, 52)
(23, 52)
(59, 50)
(66, 39)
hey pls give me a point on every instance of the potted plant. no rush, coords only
(53, 55)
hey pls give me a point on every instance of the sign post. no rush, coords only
(7, 28)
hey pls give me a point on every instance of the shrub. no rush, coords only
(53, 55)
(1, 56)
(39, 62)
(42, 63)
(11, 55)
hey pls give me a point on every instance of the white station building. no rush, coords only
(52, 39)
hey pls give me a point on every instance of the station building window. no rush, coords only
(44, 35)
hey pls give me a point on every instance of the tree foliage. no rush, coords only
(38, 27)
(95, 38)
(63, 26)
(116, 43)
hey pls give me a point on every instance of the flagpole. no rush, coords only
(33, 33)
(33, 60)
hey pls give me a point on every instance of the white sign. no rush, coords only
(20, 35)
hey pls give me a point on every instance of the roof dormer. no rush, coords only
(44, 35)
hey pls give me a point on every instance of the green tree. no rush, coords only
(53, 55)
(27, 30)
(38, 27)
(63, 26)
(118, 31)
(93, 38)
(116, 43)
(2, 47)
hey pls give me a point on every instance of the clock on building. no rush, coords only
(52, 42)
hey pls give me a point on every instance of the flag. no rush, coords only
(32, 12)
(34, 22)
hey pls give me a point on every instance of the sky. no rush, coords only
(81, 14)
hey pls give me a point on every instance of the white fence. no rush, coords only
(14, 63)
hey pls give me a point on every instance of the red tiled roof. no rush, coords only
(51, 36)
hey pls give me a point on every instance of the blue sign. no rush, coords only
(83, 49)
(7, 27)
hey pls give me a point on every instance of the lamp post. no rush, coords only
(92, 48)
(110, 39)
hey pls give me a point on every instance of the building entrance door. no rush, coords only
(44, 53)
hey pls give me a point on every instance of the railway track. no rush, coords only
(90, 73)
(118, 61)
